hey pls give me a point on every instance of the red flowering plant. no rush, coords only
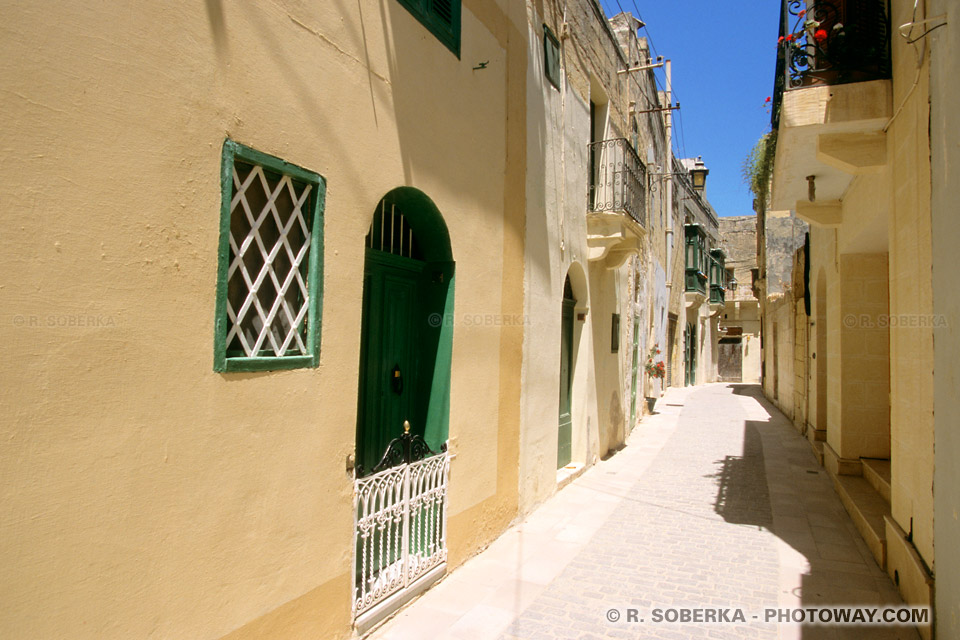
(655, 368)
(809, 30)
(816, 42)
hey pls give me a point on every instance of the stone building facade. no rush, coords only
(866, 322)
(250, 248)
(739, 343)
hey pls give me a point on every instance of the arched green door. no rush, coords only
(407, 328)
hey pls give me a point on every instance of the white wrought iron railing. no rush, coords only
(400, 530)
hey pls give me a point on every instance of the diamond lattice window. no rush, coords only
(268, 300)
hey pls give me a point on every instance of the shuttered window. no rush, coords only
(551, 57)
(441, 17)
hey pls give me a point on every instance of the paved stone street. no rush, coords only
(715, 502)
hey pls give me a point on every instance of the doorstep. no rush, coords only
(867, 509)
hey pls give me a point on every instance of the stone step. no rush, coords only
(877, 473)
(867, 509)
(817, 447)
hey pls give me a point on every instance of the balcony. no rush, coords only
(831, 43)
(717, 294)
(696, 282)
(618, 180)
(718, 276)
(832, 98)
(616, 201)
(695, 278)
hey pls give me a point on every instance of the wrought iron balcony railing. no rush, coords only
(830, 42)
(618, 179)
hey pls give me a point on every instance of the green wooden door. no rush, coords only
(390, 369)
(690, 354)
(634, 378)
(565, 432)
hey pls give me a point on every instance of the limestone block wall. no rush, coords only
(556, 248)
(945, 158)
(911, 296)
(778, 325)
(864, 350)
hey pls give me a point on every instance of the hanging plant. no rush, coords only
(758, 168)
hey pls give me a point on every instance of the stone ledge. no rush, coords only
(877, 473)
(817, 447)
(867, 509)
(838, 466)
(569, 473)
(908, 571)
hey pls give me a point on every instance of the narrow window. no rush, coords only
(551, 57)
(270, 274)
(615, 333)
(440, 17)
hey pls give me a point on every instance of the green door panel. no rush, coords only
(406, 347)
(565, 431)
(634, 370)
(690, 354)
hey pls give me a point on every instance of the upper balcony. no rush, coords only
(832, 98)
(718, 276)
(697, 264)
(616, 200)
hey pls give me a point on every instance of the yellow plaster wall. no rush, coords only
(146, 495)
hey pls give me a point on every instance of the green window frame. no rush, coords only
(440, 17)
(551, 57)
(270, 263)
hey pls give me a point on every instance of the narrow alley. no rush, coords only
(480, 320)
(714, 503)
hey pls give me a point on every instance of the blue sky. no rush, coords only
(723, 63)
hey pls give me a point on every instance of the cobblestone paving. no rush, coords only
(716, 502)
(691, 534)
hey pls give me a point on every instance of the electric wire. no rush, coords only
(679, 141)
(650, 102)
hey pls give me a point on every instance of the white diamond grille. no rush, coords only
(268, 296)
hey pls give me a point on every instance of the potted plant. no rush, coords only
(655, 369)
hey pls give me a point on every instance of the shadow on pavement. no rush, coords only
(787, 496)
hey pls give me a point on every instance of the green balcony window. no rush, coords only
(696, 258)
(718, 276)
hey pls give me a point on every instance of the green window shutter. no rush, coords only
(441, 17)
(551, 57)
(270, 263)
